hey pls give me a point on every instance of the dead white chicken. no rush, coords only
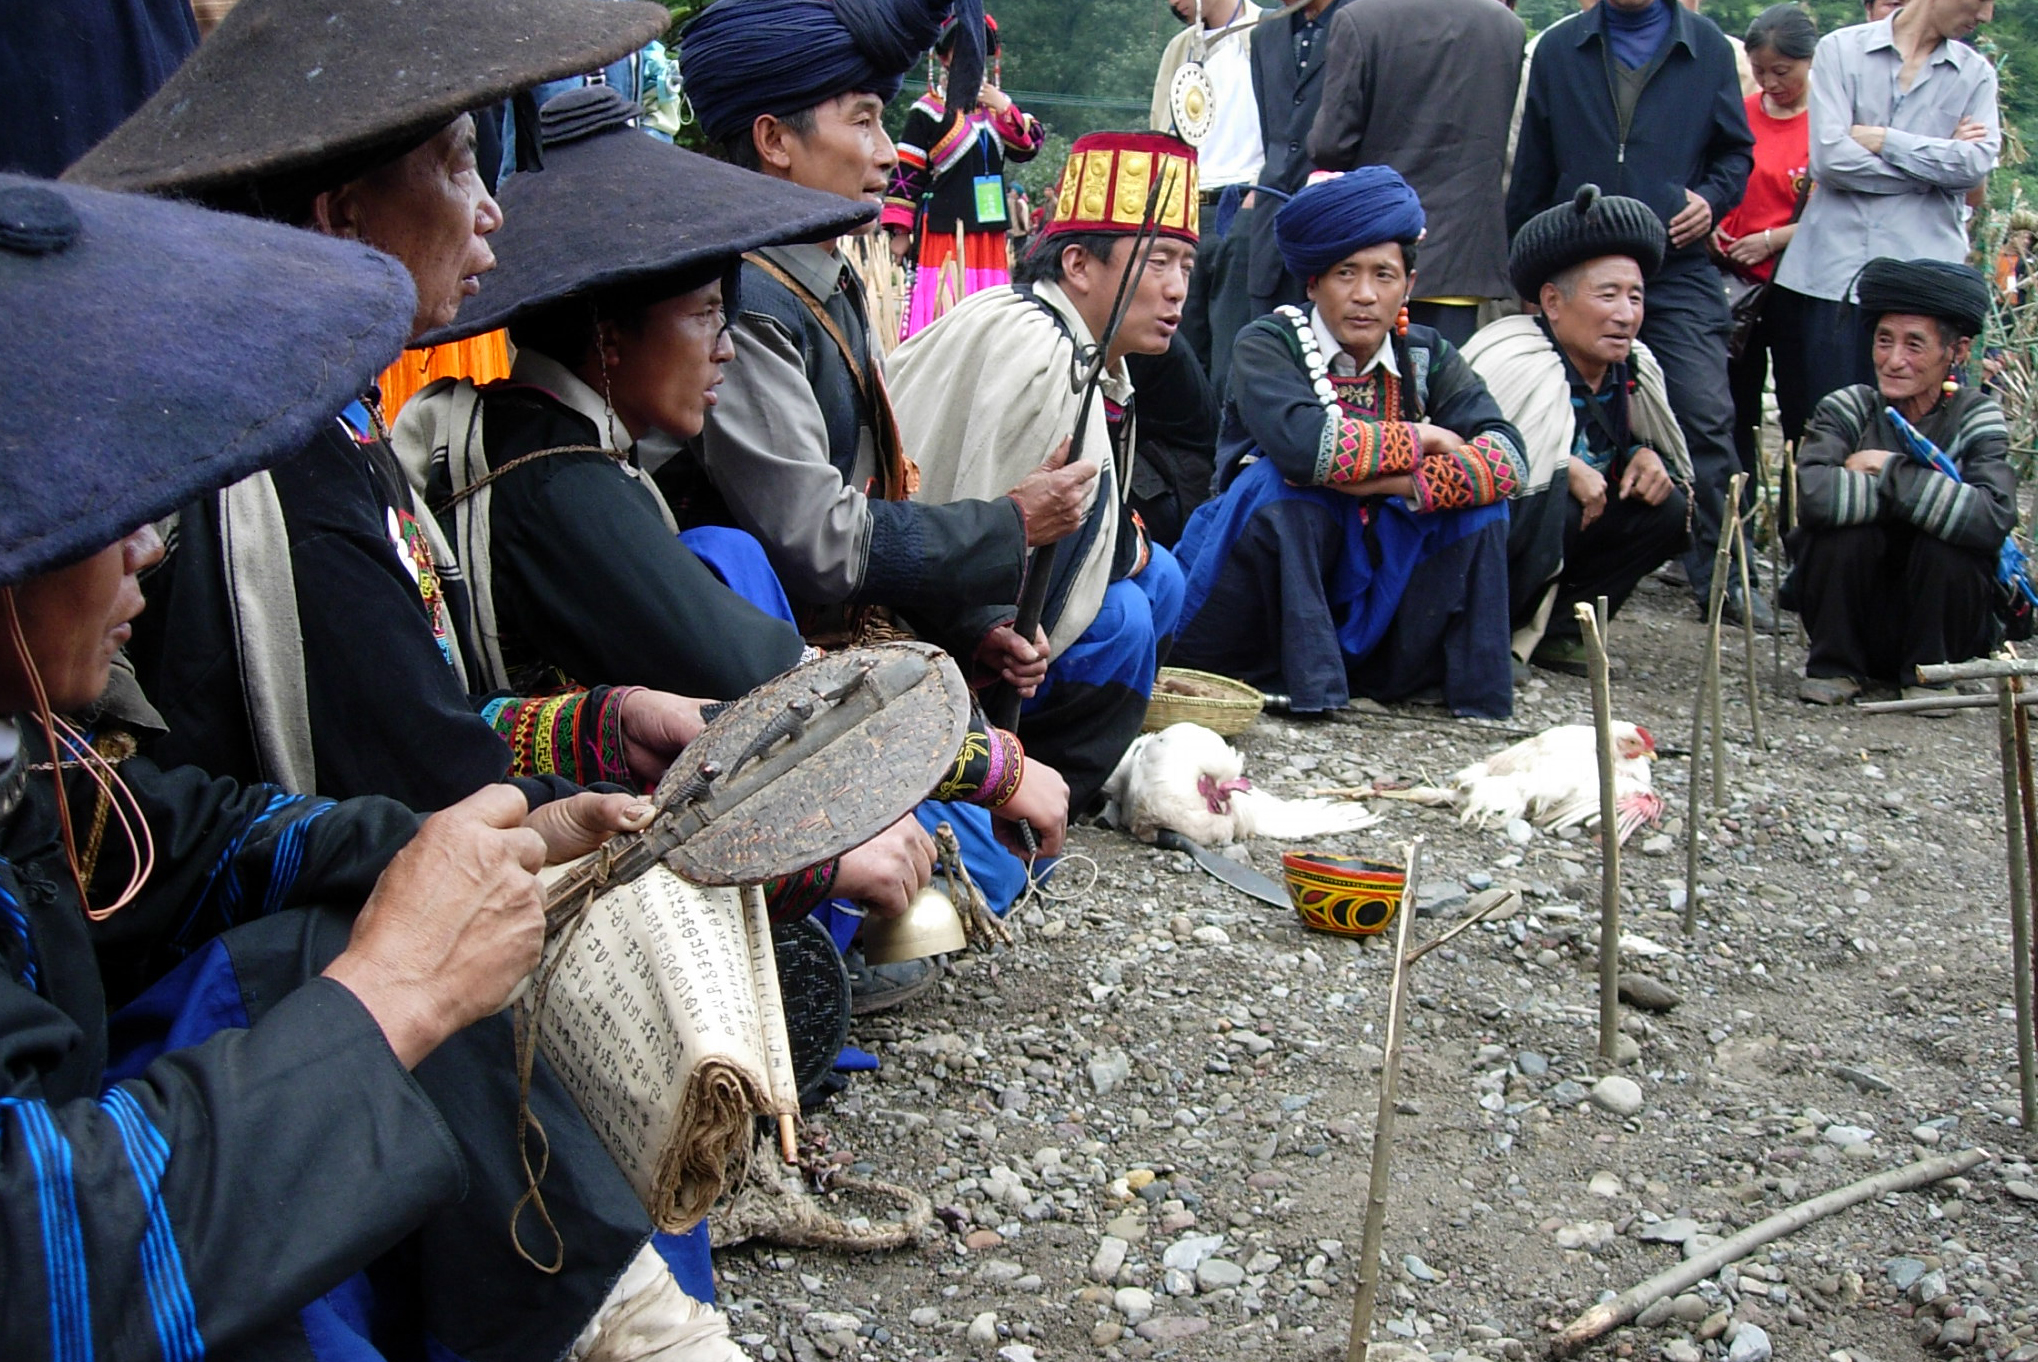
(1552, 780)
(1187, 778)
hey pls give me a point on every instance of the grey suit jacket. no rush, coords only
(1287, 108)
(1427, 87)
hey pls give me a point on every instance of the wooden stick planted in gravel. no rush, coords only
(2020, 895)
(1708, 695)
(1722, 564)
(1383, 1126)
(1590, 624)
(1741, 556)
(1631, 1302)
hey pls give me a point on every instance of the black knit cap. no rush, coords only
(155, 352)
(1590, 226)
(285, 87)
(1923, 288)
(616, 206)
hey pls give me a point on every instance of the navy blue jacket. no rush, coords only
(1689, 129)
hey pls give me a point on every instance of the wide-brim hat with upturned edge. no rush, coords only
(615, 206)
(288, 86)
(1109, 176)
(1590, 226)
(1954, 293)
(155, 352)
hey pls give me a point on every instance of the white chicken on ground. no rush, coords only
(1552, 780)
(1191, 780)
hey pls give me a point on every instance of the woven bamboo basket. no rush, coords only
(1220, 704)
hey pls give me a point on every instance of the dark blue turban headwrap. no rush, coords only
(742, 58)
(1332, 218)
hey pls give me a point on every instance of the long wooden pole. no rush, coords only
(2015, 846)
(1934, 704)
(1629, 1303)
(1981, 669)
(1383, 1124)
(1590, 625)
(2027, 799)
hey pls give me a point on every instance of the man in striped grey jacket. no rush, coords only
(1896, 559)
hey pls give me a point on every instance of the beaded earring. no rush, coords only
(1401, 323)
(1950, 386)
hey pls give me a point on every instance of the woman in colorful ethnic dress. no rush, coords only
(1358, 543)
(1751, 239)
(951, 178)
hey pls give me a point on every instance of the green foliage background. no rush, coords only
(1082, 65)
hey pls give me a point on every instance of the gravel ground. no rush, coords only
(1146, 1129)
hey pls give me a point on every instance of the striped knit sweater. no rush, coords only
(1975, 513)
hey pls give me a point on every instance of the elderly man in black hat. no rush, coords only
(161, 1196)
(1609, 480)
(1897, 550)
(306, 630)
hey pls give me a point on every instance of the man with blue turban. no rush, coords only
(1359, 540)
(801, 448)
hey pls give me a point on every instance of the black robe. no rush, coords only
(256, 1157)
(590, 585)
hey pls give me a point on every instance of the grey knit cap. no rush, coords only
(1590, 226)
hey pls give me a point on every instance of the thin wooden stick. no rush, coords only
(1691, 807)
(1609, 834)
(1631, 1302)
(1936, 703)
(1507, 897)
(2027, 799)
(1741, 555)
(1383, 1126)
(2020, 895)
(1784, 455)
(1722, 564)
(1981, 669)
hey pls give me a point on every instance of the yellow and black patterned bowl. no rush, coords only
(1349, 895)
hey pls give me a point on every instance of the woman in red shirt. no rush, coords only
(1750, 239)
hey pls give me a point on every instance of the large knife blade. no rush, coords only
(1241, 877)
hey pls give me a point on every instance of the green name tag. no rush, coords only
(990, 191)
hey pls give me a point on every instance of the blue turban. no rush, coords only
(739, 59)
(1332, 218)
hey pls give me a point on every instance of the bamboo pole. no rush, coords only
(1383, 1125)
(1741, 554)
(1708, 695)
(2007, 699)
(1589, 625)
(1629, 1303)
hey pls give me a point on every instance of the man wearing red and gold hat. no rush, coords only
(1002, 374)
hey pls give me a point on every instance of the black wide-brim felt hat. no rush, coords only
(284, 86)
(155, 352)
(1590, 226)
(1951, 291)
(616, 206)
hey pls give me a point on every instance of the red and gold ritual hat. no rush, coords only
(1109, 175)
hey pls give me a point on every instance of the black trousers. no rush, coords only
(1219, 303)
(1455, 322)
(1686, 325)
(1837, 350)
(1881, 600)
(1630, 540)
(1777, 343)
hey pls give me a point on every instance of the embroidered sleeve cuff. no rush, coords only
(987, 767)
(795, 896)
(544, 732)
(1476, 474)
(1355, 450)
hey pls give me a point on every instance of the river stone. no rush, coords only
(1621, 1096)
(1648, 992)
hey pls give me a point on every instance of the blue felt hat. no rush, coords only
(155, 352)
(1343, 213)
(742, 58)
